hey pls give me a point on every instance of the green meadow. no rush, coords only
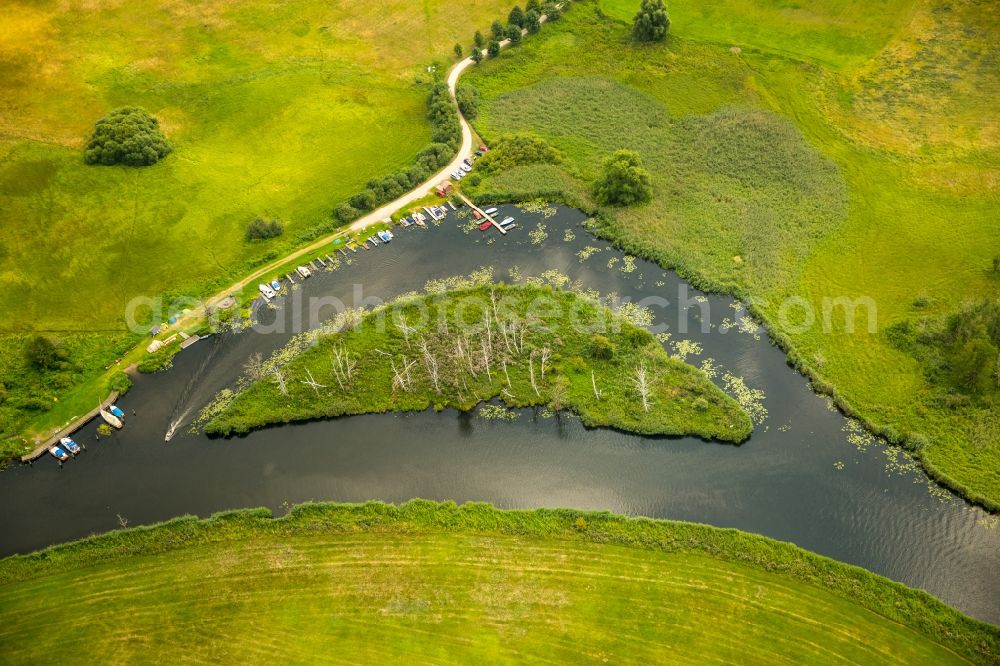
(280, 110)
(835, 149)
(446, 584)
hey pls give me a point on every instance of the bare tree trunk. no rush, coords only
(432, 365)
(593, 381)
(643, 385)
(279, 379)
(531, 371)
(312, 383)
(507, 374)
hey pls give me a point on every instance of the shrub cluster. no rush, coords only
(261, 229)
(623, 181)
(520, 149)
(127, 136)
(468, 99)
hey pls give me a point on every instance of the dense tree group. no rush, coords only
(261, 229)
(127, 136)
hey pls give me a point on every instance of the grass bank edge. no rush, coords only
(974, 640)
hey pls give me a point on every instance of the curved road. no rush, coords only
(384, 211)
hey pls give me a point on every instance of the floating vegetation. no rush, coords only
(587, 253)
(750, 399)
(784, 427)
(515, 274)
(611, 262)
(497, 413)
(638, 315)
(590, 224)
(538, 234)
(700, 299)
(543, 208)
(546, 413)
(569, 236)
(628, 264)
(468, 226)
(684, 348)
(709, 367)
(858, 435)
(659, 283)
(838, 465)
(663, 337)
(477, 278)
(555, 278)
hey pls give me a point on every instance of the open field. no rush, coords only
(436, 582)
(526, 345)
(781, 173)
(274, 109)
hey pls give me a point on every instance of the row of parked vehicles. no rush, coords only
(464, 169)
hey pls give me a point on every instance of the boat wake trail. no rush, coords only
(184, 406)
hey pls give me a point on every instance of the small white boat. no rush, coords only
(303, 271)
(490, 211)
(276, 286)
(266, 290)
(506, 221)
(70, 445)
(111, 419)
(58, 453)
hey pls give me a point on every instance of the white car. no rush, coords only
(266, 290)
(466, 168)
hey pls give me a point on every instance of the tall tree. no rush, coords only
(479, 40)
(458, 50)
(651, 23)
(499, 32)
(532, 22)
(514, 34)
(493, 50)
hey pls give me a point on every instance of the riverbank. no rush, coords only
(63, 408)
(461, 583)
(468, 341)
(761, 192)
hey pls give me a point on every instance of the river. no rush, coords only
(806, 475)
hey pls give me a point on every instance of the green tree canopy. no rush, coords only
(479, 40)
(532, 21)
(516, 17)
(127, 136)
(511, 150)
(498, 30)
(477, 55)
(493, 50)
(623, 181)
(651, 23)
(514, 34)
(43, 353)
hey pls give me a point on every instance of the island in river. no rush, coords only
(470, 341)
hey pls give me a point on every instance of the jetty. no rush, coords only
(42, 448)
(489, 218)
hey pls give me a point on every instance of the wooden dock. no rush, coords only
(69, 430)
(489, 218)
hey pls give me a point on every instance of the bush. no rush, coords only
(477, 56)
(498, 30)
(532, 5)
(458, 51)
(623, 181)
(516, 17)
(601, 347)
(479, 40)
(474, 179)
(346, 213)
(532, 22)
(261, 229)
(493, 50)
(514, 35)
(518, 150)
(467, 96)
(120, 382)
(127, 136)
(552, 13)
(104, 430)
(651, 23)
(42, 353)
(364, 200)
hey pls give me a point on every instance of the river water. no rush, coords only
(805, 476)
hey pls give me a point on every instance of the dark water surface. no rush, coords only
(806, 475)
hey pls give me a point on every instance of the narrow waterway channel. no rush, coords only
(807, 475)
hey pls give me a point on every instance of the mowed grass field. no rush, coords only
(442, 584)
(822, 151)
(274, 109)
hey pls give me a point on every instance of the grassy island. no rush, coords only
(425, 582)
(528, 345)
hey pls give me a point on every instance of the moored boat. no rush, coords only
(111, 419)
(485, 225)
(70, 445)
(114, 409)
(275, 285)
(59, 453)
(303, 271)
